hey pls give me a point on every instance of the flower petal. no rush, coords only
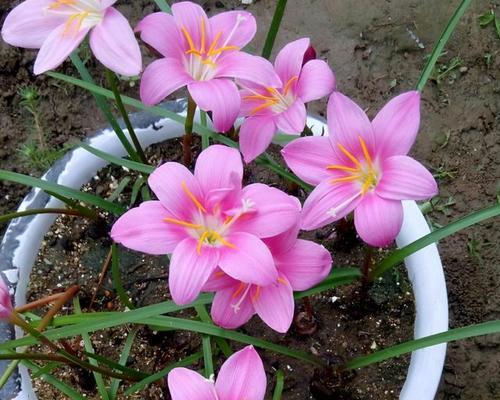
(219, 280)
(219, 167)
(249, 261)
(328, 203)
(227, 21)
(256, 134)
(275, 211)
(275, 305)
(284, 241)
(377, 220)
(316, 81)
(308, 158)
(242, 376)
(347, 122)
(289, 60)
(245, 66)
(27, 25)
(143, 229)
(404, 178)
(219, 96)
(58, 46)
(191, 17)
(224, 312)
(160, 31)
(174, 184)
(305, 264)
(185, 384)
(396, 125)
(189, 270)
(293, 119)
(113, 43)
(161, 78)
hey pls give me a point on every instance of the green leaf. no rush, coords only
(399, 255)
(497, 26)
(206, 344)
(454, 334)
(119, 189)
(222, 343)
(163, 5)
(62, 190)
(36, 211)
(280, 383)
(117, 279)
(274, 28)
(486, 18)
(115, 383)
(338, 277)
(136, 187)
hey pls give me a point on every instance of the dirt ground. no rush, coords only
(377, 49)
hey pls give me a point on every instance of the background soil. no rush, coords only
(372, 48)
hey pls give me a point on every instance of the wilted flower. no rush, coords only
(242, 376)
(57, 27)
(202, 53)
(269, 108)
(362, 166)
(208, 220)
(6, 307)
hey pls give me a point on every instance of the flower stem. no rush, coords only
(188, 133)
(367, 265)
(38, 303)
(274, 28)
(111, 77)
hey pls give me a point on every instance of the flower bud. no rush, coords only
(309, 55)
(6, 308)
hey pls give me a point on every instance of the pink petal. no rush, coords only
(245, 66)
(306, 264)
(189, 270)
(113, 43)
(347, 122)
(396, 125)
(377, 220)
(185, 384)
(293, 119)
(27, 25)
(223, 310)
(191, 16)
(404, 178)
(289, 60)
(256, 134)
(275, 211)
(326, 198)
(242, 376)
(219, 280)
(58, 46)
(249, 105)
(219, 167)
(6, 307)
(143, 229)
(172, 182)
(308, 158)
(274, 305)
(106, 3)
(160, 31)
(161, 78)
(219, 96)
(284, 241)
(316, 81)
(226, 21)
(249, 261)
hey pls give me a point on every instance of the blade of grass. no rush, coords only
(484, 328)
(75, 205)
(117, 279)
(119, 189)
(136, 187)
(115, 383)
(206, 344)
(205, 139)
(338, 277)
(274, 28)
(36, 211)
(399, 255)
(163, 5)
(280, 383)
(222, 343)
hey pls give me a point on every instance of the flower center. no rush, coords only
(201, 62)
(80, 14)
(277, 100)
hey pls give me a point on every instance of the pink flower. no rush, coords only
(208, 220)
(6, 307)
(282, 106)
(363, 166)
(57, 27)
(301, 264)
(202, 53)
(242, 376)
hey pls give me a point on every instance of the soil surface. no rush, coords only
(377, 49)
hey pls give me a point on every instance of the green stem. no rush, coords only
(280, 383)
(205, 139)
(36, 211)
(111, 77)
(274, 28)
(438, 48)
(188, 133)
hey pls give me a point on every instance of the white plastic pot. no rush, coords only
(23, 238)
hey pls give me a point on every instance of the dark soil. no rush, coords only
(371, 45)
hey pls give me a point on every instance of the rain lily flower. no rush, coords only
(363, 166)
(207, 220)
(6, 307)
(57, 27)
(203, 54)
(301, 264)
(242, 376)
(269, 108)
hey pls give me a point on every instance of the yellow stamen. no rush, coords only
(239, 290)
(219, 274)
(222, 49)
(201, 240)
(207, 61)
(263, 106)
(182, 223)
(258, 97)
(346, 178)
(228, 219)
(59, 3)
(365, 151)
(282, 281)
(342, 167)
(349, 155)
(189, 39)
(214, 44)
(256, 294)
(192, 197)
(203, 35)
(226, 243)
(289, 84)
